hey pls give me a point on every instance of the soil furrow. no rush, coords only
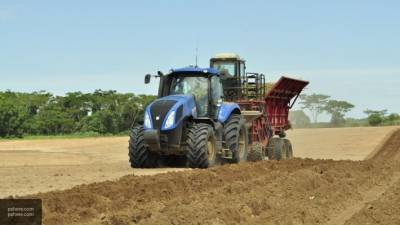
(299, 191)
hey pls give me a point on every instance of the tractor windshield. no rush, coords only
(192, 85)
(225, 66)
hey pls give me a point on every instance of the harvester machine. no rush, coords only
(205, 116)
(265, 111)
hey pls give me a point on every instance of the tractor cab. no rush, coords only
(232, 69)
(229, 64)
(203, 84)
(237, 84)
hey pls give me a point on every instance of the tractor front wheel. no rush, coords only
(201, 146)
(139, 155)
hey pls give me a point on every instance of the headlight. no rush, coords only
(147, 121)
(170, 120)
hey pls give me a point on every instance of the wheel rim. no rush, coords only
(210, 150)
(242, 144)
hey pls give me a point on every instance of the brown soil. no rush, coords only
(384, 210)
(299, 191)
(32, 166)
(338, 143)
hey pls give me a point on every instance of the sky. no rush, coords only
(349, 50)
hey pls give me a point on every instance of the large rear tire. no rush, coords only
(201, 146)
(236, 138)
(139, 155)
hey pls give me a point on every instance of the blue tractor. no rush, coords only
(189, 124)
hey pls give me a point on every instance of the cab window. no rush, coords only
(216, 96)
(216, 90)
(192, 85)
(225, 67)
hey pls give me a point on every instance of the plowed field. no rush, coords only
(298, 191)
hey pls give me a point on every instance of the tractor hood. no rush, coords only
(168, 112)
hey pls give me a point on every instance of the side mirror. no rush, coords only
(160, 74)
(147, 78)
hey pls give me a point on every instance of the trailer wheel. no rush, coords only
(139, 155)
(280, 150)
(271, 148)
(289, 148)
(236, 138)
(256, 153)
(201, 146)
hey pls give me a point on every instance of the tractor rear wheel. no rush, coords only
(289, 149)
(256, 153)
(236, 138)
(139, 155)
(201, 146)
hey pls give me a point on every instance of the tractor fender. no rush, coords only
(226, 110)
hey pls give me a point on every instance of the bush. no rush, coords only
(375, 119)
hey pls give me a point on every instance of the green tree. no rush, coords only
(53, 120)
(379, 112)
(11, 119)
(43, 113)
(315, 103)
(375, 117)
(102, 122)
(393, 117)
(338, 109)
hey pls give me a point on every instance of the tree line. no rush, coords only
(109, 112)
(316, 104)
(42, 113)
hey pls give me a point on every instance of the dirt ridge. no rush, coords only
(299, 191)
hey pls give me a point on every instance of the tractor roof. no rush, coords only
(225, 56)
(193, 69)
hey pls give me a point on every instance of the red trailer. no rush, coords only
(266, 111)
